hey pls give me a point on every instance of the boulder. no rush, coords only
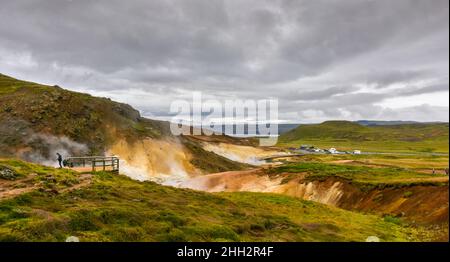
(7, 173)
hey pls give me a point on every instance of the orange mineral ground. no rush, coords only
(163, 161)
(425, 205)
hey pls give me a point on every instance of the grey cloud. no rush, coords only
(424, 90)
(387, 77)
(422, 112)
(326, 93)
(339, 55)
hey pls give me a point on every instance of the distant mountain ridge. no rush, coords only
(391, 123)
(282, 128)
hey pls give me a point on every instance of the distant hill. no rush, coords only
(390, 123)
(428, 136)
(358, 132)
(384, 123)
(282, 128)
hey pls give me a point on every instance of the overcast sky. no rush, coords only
(323, 59)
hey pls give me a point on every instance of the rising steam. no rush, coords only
(163, 161)
(42, 149)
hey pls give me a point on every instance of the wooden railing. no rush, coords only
(93, 163)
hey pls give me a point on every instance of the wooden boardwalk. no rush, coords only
(93, 163)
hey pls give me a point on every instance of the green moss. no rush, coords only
(391, 219)
(407, 194)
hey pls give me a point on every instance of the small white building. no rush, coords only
(333, 150)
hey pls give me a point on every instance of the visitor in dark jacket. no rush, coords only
(59, 159)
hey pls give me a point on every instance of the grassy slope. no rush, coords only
(116, 208)
(413, 162)
(362, 176)
(83, 118)
(346, 135)
(27, 108)
(210, 162)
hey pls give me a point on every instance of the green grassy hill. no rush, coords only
(363, 177)
(32, 115)
(28, 107)
(57, 203)
(345, 135)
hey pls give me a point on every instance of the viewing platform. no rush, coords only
(93, 163)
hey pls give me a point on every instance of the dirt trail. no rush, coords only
(14, 188)
(359, 163)
(10, 189)
(10, 193)
(85, 180)
(431, 171)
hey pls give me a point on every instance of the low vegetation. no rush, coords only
(116, 208)
(412, 162)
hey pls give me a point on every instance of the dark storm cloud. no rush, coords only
(340, 54)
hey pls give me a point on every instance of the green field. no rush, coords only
(362, 176)
(347, 136)
(116, 208)
(413, 162)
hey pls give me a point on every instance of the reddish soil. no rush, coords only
(418, 204)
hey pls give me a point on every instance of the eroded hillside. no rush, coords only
(36, 121)
(408, 195)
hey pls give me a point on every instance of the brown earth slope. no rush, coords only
(416, 203)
